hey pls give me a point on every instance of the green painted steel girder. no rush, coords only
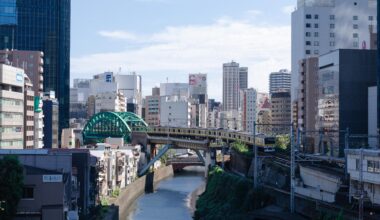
(112, 124)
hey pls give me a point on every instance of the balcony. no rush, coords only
(11, 95)
(11, 136)
(11, 122)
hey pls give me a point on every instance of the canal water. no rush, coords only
(171, 200)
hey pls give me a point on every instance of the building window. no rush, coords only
(308, 34)
(316, 34)
(355, 35)
(370, 18)
(357, 164)
(332, 34)
(355, 18)
(308, 43)
(355, 26)
(332, 26)
(316, 16)
(332, 17)
(373, 166)
(308, 16)
(316, 26)
(316, 43)
(28, 193)
(307, 51)
(316, 52)
(308, 25)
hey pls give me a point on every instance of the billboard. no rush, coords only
(198, 84)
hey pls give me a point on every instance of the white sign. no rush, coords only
(52, 178)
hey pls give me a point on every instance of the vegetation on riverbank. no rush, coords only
(229, 197)
(242, 148)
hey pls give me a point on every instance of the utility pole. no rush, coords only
(255, 168)
(293, 166)
(361, 195)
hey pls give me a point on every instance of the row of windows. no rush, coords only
(10, 129)
(15, 143)
(9, 115)
(332, 17)
(11, 102)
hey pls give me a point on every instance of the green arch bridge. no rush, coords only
(112, 124)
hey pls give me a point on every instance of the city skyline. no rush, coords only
(175, 45)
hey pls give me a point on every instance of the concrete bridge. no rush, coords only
(180, 163)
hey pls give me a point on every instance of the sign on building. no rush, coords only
(52, 178)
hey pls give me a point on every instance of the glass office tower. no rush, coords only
(42, 25)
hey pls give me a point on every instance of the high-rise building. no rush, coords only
(11, 107)
(231, 86)
(319, 27)
(243, 77)
(42, 26)
(279, 81)
(248, 108)
(198, 87)
(78, 98)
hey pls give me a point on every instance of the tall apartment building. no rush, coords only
(279, 81)
(319, 27)
(49, 32)
(50, 109)
(281, 112)
(248, 108)
(243, 77)
(131, 87)
(31, 62)
(307, 102)
(152, 108)
(11, 107)
(28, 113)
(231, 86)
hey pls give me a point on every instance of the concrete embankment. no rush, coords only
(137, 188)
(195, 195)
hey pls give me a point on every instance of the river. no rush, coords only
(171, 200)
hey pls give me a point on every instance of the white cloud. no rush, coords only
(288, 9)
(176, 51)
(120, 35)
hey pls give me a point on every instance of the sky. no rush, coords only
(168, 39)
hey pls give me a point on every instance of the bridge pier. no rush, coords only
(210, 160)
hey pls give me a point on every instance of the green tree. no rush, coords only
(11, 185)
(283, 142)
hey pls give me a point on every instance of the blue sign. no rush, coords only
(109, 78)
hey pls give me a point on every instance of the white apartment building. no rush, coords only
(320, 26)
(366, 164)
(110, 101)
(231, 86)
(11, 107)
(175, 111)
(131, 86)
(279, 81)
(248, 108)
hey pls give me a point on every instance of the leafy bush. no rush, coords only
(283, 142)
(229, 197)
(241, 148)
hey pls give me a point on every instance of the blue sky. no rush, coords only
(171, 38)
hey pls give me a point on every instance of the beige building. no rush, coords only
(11, 107)
(281, 112)
(28, 114)
(152, 108)
(308, 94)
(110, 101)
